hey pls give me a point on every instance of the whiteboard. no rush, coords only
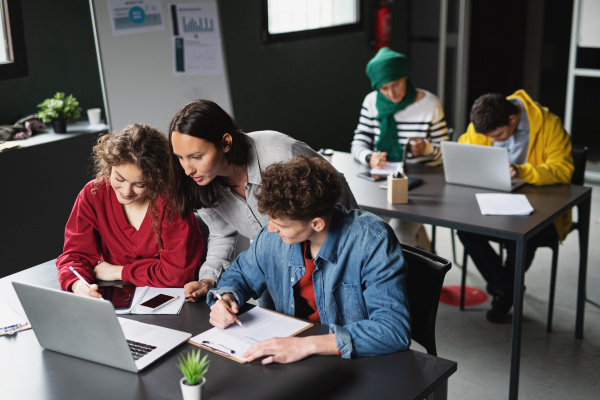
(137, 73)
(589, 28)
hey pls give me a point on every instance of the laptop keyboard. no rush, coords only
(139, 350)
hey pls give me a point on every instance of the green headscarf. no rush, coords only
(387, 66)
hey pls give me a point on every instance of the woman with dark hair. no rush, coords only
(123, 226)
(216, 168)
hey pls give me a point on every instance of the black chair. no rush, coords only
(426, 274)
(579, 154)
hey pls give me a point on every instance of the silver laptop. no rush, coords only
(88, 328)
(479, 166)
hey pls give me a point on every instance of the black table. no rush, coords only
(454, 206)
(29, 372)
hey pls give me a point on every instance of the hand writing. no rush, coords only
(220, 316)
(79, 287)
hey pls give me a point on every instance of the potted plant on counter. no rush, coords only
(193, 369)
(58, 110)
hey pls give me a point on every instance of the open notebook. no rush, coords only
(258, 324)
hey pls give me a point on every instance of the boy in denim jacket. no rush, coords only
(320, 262)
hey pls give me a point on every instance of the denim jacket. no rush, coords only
(359, 281)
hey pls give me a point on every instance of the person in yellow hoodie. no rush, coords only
(539, 152)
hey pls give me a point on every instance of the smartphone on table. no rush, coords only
(371, 177)
(156, 302)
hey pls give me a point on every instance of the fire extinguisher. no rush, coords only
(383, 25)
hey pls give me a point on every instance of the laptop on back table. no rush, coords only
(479, 166)
(88, 328)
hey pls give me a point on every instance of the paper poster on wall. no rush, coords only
(196, 39)
(135, 16)
(589, 29)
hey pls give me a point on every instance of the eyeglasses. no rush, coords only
(208, 344)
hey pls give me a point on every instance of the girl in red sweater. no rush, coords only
(122, 227)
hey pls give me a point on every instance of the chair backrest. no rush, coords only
(426, 274)
(579, 154)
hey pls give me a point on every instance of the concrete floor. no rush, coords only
(553, 365)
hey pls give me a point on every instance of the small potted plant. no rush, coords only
(193, 369)
(58, 109)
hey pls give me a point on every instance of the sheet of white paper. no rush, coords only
(503, 204)
(258, 325)
(389, 169)
(137, 16)
(145, 293)
(196, 39)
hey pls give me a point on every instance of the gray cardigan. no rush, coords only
(237, 216)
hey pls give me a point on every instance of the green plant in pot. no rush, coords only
(58, 110)
(193, 369)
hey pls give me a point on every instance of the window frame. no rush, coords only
(18, 68)
(269, 38)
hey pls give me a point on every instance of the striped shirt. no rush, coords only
(422, 119)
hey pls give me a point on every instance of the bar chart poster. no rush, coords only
(135, 16)
(196, 39)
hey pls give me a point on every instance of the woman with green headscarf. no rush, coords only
(396, 116)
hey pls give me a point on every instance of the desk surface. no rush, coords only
(29, 372)
(455, 206)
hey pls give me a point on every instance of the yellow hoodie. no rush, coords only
(549, 159)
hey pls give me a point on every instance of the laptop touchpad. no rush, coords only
(133, 330)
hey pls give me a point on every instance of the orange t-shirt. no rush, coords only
(305, 289)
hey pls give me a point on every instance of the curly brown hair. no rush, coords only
(491, 111)
(148, 149)
(301, 189)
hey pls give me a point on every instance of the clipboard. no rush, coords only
(11, 321)
(257, 316)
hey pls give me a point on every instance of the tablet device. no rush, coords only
(120, 296)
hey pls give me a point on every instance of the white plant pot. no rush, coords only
(195, 392)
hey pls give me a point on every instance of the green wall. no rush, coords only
(310, 89)
(61, 57)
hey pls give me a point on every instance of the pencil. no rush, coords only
(228, 308)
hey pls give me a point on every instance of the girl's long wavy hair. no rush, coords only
(205, 120)
(146, 148)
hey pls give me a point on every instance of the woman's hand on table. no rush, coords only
(195, 290)
(108, 272)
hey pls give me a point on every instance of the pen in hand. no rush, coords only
(80, 277)
(228, 308)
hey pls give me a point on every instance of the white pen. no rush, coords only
(80, 277)
(228, 308)
(399, 171)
